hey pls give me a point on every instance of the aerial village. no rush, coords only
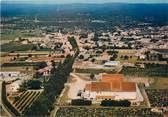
(109, 66)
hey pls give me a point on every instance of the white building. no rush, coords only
(112, 87)
(112, 64)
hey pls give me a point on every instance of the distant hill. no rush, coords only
(156, 14)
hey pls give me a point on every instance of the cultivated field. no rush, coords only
(25, 100)
(160, 83)
(158, 97)
(105, 112)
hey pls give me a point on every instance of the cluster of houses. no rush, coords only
(139, 40)
(103, 51)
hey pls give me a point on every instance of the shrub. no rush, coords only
(124, 103)
(79, 102)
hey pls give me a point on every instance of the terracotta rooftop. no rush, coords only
(100, 86)
(112, 77)
(128, 86)
(115, 86)
(88, 87)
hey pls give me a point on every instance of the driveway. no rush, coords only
(79, 84)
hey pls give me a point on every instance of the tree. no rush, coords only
(23, 87)
(34, 48)
(93, 60)
(126, 57)
(147, 55)
(29, 55)
(81, 102)
(37, 74)
(81, 56)
(124, 103)
(129, 45)
(52, 88)
(18, 55)
(73, 42)
(33, 84)
(92, 76)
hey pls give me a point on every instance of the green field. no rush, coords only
(15, 46)
(105, 112)
(12, 34)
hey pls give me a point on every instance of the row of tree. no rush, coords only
(53, 87)
(124, 103)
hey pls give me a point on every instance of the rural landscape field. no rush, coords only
(84, 58)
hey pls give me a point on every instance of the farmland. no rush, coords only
(25, 100)
(105, 112)
(158, 97)
(160, 83)
(15, 46)
(12, 34)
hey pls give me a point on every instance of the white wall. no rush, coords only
(117, 95)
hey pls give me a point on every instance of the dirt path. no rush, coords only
(74, 87)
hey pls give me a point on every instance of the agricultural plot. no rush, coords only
(15, 46)
(158, 97)
(105, 112)
(26, 99)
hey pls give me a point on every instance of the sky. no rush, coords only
(84, 1)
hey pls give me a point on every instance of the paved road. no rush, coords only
(145, 96)
(3, 107)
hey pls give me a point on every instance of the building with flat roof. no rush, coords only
(112, 63)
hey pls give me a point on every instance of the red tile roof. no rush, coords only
(116, 86)
(128, 86)
(112, 82)
(88, 87)
(112, 77)
(100, 86)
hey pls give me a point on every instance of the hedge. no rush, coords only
(124, 103)
(81, 102)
